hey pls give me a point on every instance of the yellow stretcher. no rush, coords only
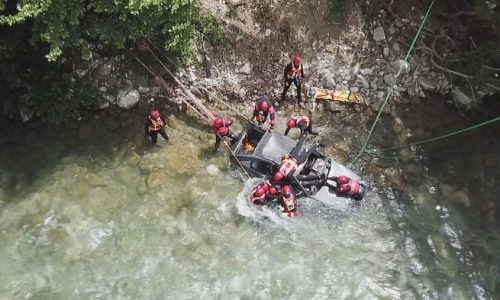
(333, 95)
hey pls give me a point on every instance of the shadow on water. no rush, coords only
(30, 151)
(445, 192)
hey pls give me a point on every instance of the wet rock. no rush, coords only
(400, 64)
(395, 47)
(332, 106)
(109, 98)
(363, 82)
(461, 98)
(104, 71)
(427, 83)
(142, 84)
(355, 69)
(328, 83)
(366, 71)
(378, 34)
(128, 98)
(388, 79)
(245, 69)
(386, 52)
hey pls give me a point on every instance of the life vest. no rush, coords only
(155, 125)
(224, 129)
(288, 166)
(303, 119)
(295, 72)
(289, 206)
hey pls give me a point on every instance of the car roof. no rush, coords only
(273, 146)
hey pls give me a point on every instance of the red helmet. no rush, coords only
(154, 114)
(297, 60)
(264, 106)
(291, 123)
(273, 191)
(223, 131)
(342, 179)
(278, 176)
(218, 122)
(259, 192)
(286, 190)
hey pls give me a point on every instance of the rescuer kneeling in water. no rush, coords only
(347, 186)
(155, 124)
(263, 194)
(221, 129)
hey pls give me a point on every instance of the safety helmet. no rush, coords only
(278, 176)
(291, 123)
(264, 106)
(273, 191)
(218, 122)
(342, 179)
(286, 190)
(297, 60)
(154, 114)
(259, 192)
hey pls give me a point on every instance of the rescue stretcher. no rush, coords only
(333, 95)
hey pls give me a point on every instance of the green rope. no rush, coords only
(439, 137)
(391, 89)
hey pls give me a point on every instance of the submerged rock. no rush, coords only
(212, 170)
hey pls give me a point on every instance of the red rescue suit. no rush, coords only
(263, 194)
(352, 188)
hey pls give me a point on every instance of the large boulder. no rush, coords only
(128, 98)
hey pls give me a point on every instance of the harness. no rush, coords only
(306, 121)
(288, 166)
(155, 124)
(295, 72)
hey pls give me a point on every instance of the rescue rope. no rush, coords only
(201, 106)
(456, 132)
(208, 116)
(214, 96)
(391, 89)
(204, 117)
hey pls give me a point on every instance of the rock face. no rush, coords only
(128, 98)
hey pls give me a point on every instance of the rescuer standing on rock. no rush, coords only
(294, 72)
(155, 124)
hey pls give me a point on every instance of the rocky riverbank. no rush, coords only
(362, 55)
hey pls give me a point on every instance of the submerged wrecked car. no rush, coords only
(260, 153)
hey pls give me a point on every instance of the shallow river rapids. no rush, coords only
(94, 213)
